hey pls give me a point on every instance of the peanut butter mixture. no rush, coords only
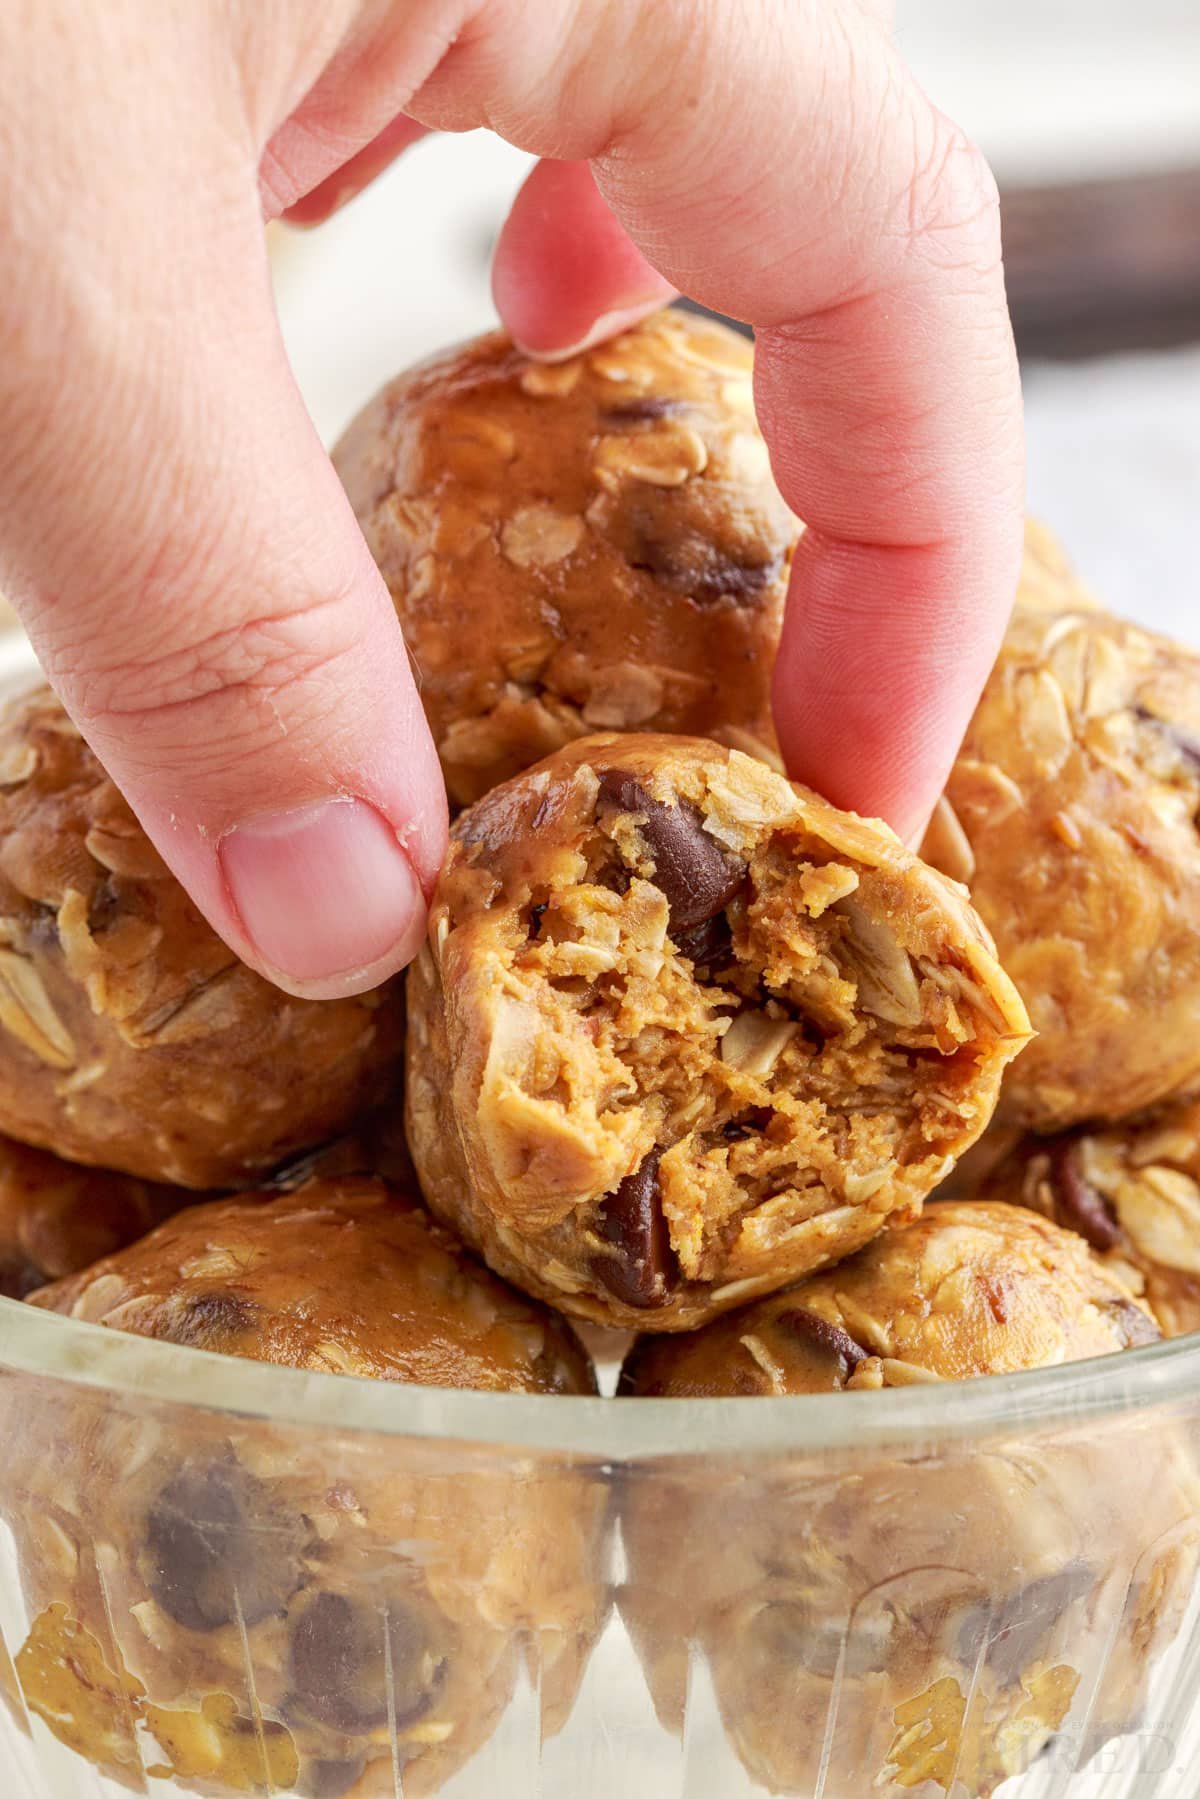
(683, 1032)
(587, 546)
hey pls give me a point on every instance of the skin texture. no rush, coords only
(918, 1619)
(683, 1032)
(248, 1545)
(174, 536)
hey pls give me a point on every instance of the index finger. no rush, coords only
(782, 166)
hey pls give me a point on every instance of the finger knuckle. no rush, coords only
(215, 696)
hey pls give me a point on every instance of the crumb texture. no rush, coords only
(682, 1032)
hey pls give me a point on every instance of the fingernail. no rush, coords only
(326, 895)
(609, 324)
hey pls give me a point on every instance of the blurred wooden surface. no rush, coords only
(1099, 266)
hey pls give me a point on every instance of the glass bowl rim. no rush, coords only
(130, 1369)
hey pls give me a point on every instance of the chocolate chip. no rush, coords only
(330, 1780)
(219, 1545)
(536, 915)
(827, 1339)
(708, 944)
(43, 926)
(692, 563)
(1077, 1204)
(747, 1124)
(1183, 741)
(339, 1663)
(720, 579)
(691, 869)
(105, 906)
(644, 1270)
(210, 1320)
(1015, 1631)
(639, 412)
(1135, 1325)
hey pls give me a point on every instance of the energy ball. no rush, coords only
(1132, 1191)
(1071, 814)
(966, 1289)
(273, 1608)
(592, 545)
(56, 1217)
(131, 1037)
(873, 1618)
(1048, 580)
(683, 1032)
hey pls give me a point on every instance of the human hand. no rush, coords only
(171, 529)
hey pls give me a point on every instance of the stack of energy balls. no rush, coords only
(686, 1052)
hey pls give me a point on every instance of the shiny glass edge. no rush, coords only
(47, 1346)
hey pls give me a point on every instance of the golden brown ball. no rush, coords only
(131, 1036)
(593, 545)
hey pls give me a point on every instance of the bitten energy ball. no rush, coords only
(241, 1605)
(683, 1032)
(593, 545)
(1071, 813)
(891, 1619)
(56, 1217)
(131, 1036)
(1132, 1191)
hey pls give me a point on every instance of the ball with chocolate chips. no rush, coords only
(379, 1597)
(683, 1032)
(964, 1290)
(1071, 814)
(1132, 1191)
(56, 1217)
(131, 1037)
(874, 1619)
(593, 545)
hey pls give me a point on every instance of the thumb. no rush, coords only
(196, 586)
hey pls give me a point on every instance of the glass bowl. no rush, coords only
(225, 1577)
